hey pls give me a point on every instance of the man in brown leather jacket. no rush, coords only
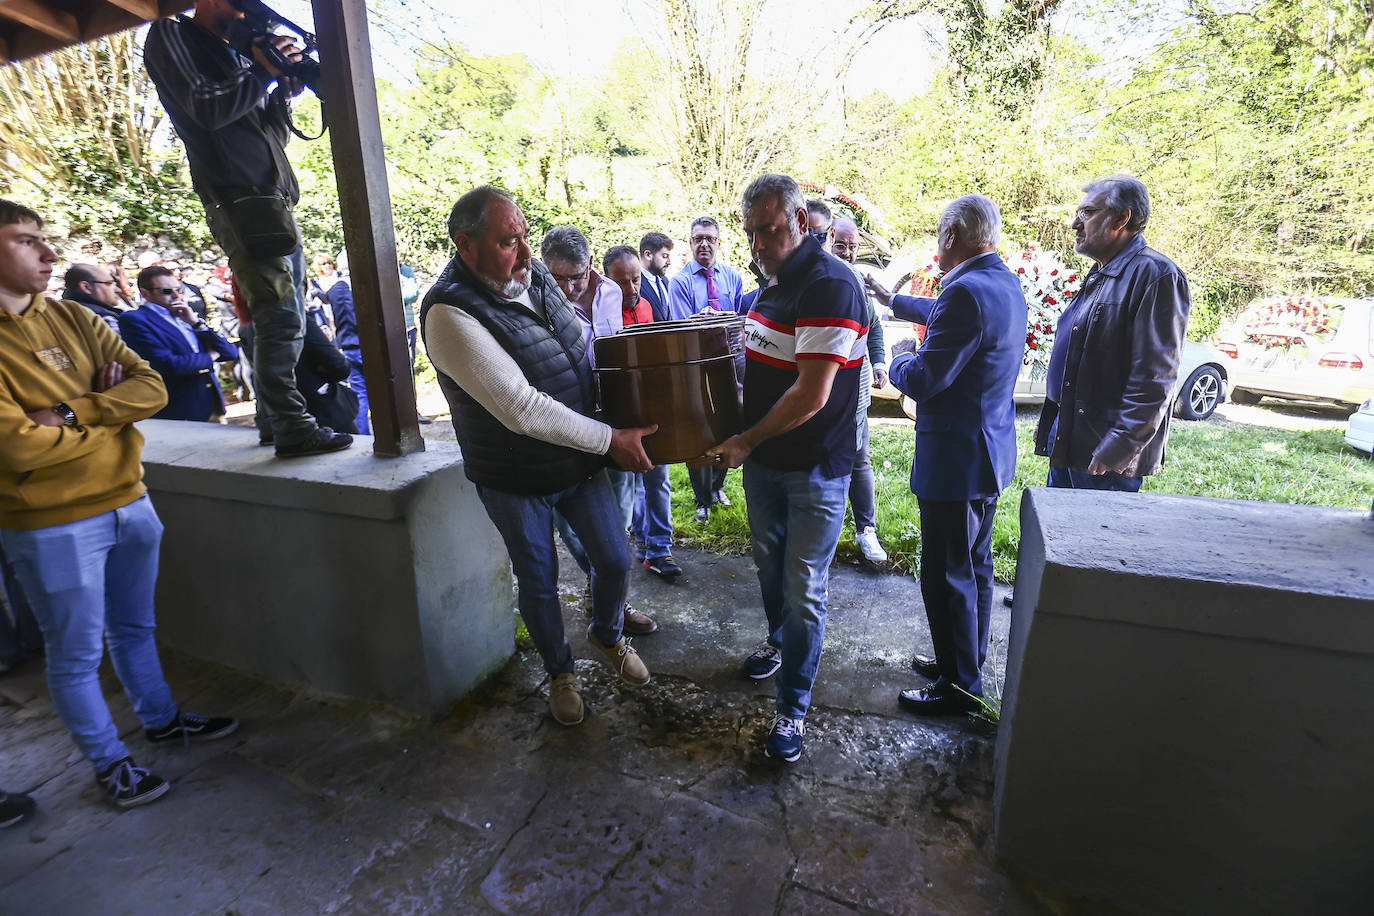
(1115, 359)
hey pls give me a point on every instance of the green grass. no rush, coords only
(1225, 460)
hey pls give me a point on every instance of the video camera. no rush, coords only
(259, 20)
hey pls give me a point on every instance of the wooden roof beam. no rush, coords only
(52, 22)
(143, 9)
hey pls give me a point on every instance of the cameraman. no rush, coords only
(235, 134)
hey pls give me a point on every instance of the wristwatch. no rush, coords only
(66, 413)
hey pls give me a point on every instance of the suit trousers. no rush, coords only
(956, 585)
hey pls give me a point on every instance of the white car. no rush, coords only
(1331, 360)
(1360, 433)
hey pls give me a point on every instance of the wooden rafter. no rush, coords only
(46, 18)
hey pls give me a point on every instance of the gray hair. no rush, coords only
(567, 244)
(704, 221)
(976, 217)
(469, 215)
(1124, 192)
(781, 187)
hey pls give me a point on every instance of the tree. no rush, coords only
(77, 127)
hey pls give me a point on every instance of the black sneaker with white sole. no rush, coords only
(764, 663)
(127, 785)
(190, 726)
(14, 807)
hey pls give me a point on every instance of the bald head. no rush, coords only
(96, 282)
(844, 239)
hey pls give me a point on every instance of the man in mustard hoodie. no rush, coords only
(76, 524)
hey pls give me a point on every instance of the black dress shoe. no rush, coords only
(926, 667)
(937, 700)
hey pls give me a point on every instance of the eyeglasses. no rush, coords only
(1082, 213)
(699, 239)
(572, 278)
(102, 282)
(167, 292)
(844, 246)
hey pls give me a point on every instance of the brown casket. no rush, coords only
(678, 374)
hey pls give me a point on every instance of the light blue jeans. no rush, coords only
(795, 519)
(653, 516)
(87, 579)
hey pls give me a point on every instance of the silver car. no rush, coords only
(1359, 433)
(1200, 389)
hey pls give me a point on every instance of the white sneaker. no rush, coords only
(868, 542)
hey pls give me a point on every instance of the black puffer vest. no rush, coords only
(553, 358)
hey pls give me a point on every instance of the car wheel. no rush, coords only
(1241, 396)
(1200, 394)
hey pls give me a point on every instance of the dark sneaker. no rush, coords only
(127, 785)
(189, 726)
(784, 740)
(322, 440)
(637, 623)
(764, 663)
(664, 566)
(14, 807)
(703, 515)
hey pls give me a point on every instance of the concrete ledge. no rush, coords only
(1185, 719)
(381, 579)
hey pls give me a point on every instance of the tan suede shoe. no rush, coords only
(565, 702)
(623, 659)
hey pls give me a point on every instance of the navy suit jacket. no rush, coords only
(656, 303)
(962, 379)
(192, 388)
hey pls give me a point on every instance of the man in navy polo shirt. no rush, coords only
(804, 342)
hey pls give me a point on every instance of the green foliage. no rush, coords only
(1214, 459)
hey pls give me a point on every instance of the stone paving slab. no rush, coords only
(660, 802)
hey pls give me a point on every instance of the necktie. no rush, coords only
(712, 297)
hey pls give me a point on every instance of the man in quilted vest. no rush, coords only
(512, 361)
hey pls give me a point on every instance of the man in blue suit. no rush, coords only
(655, 254)
(179, 345)
(961, 380)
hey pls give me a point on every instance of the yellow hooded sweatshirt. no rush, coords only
(52, 475)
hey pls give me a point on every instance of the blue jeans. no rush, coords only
(653, 515)
(359, 386)
(795, 519)
(862, 490)
(88, 578)
(1068, 478)
(526, 525)
(623, 487)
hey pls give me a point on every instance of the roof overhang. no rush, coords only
(29, 28)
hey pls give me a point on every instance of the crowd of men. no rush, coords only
(510, 336)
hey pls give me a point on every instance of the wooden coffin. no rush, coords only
(679, 374)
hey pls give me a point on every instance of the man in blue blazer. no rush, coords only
(961, 379)
(179, 345)
(655, 254)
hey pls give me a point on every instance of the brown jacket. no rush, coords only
(1122, 340)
